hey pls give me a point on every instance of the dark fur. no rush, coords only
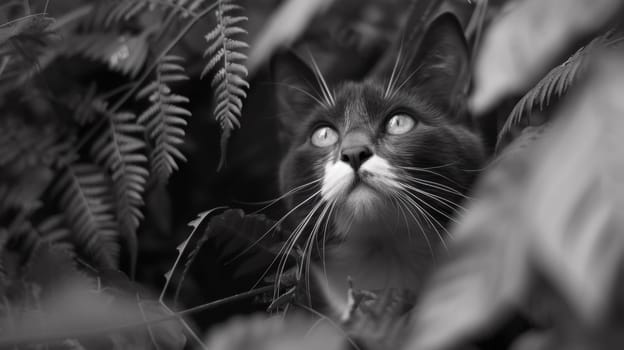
(434, 96)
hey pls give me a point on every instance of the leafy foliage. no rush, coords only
(79, 158)
(85, 194)
(164, 118)
(229, 80)
(557, 81)
(121, 151)
(96, 165)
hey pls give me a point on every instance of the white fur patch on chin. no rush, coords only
(336, 180)
(379, 173)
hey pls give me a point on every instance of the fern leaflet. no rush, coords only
(164, 118)
(229, 80)
(84, 194)
(556, 82)
(121, 152)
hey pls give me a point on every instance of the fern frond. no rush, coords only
(121, 152)
(556, 82)
(229, 80)
(84, 193)
(164, 119)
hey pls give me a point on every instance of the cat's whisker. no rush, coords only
(427, 218)
(326, 215)
(289, 193)
(290, 244)
(430, 167)
(323, 244)
(405, 220)
(273, 227)
(428, 205)
(407, 203)
(424, 215)
(436, 185)
(303, 91)
(444, 201)
(409, 77)
(329, 97)
(310, 243)
(391, 82)
(429, 171)
(431, 217)
(433, 222)
(306, 253)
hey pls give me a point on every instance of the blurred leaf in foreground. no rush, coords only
(276, 333)
(523, 45)
(547, 216)
(285, 26)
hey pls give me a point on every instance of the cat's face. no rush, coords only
(383, 150)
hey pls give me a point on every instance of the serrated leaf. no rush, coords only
(195, 223)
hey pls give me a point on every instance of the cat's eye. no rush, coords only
(400, 124)
(324, 136)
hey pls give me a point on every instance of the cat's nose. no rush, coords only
(356, 156)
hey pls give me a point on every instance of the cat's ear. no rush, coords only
(295, 87)
(441, 65)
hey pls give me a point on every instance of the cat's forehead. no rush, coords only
(365, 104)
(357, 104)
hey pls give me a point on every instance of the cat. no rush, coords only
(376, 169)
